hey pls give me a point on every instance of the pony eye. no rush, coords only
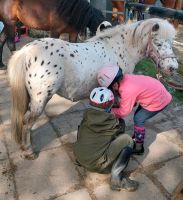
(159, 45)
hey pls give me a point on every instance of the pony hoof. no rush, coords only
(3, 67)
(30, 156)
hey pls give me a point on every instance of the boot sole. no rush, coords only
(138, 153)
(116, 188)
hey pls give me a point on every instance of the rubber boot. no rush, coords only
(118, 179)
(138, 137)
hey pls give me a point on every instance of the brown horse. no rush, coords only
(118, 6)
(56, 16)
(174, 4)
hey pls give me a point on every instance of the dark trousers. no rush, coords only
(141, 115)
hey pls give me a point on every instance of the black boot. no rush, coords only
(138, 148)
(118, 180)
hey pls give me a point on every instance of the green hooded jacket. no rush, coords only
(97, 130)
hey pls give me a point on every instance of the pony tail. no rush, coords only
(19, 94)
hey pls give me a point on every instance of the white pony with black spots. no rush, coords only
(48, 66)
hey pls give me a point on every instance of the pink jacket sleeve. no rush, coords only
(125, 107)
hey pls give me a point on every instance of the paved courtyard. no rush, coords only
(54, 174)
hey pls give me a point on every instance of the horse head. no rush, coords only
(159, 48)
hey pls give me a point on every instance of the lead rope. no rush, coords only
(151, 52)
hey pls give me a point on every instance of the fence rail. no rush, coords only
(155, 10)
(144, 8)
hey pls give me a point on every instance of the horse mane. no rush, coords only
(80, 14)
(108, 32)
(166, 30)
(136, 30)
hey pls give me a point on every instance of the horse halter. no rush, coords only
(153, 53)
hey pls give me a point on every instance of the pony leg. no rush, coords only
(26, 145)
(11, 37)
(2, 42)
(119, 7)
(73, 37)
(54, 34)
(149, 1)
(29, 118)
(178, 6)
(174, 4)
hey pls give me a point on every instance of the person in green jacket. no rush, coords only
(101, 143)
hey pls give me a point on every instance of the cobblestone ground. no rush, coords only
(54, 175)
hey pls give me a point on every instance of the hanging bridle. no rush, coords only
(153, 53)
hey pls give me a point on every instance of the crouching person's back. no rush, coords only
(101, 144)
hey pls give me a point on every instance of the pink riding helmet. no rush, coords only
(107, 74)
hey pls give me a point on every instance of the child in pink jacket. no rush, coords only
(146, 91)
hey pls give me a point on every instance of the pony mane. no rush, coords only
(166, 30)
(137, 30)
(108, 32)
(80, 14)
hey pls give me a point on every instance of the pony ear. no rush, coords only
(155, 27)
(104, 25)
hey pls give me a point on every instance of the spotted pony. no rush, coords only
(48, 66)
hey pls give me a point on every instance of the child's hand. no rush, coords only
(117, 100)
(115, 105)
